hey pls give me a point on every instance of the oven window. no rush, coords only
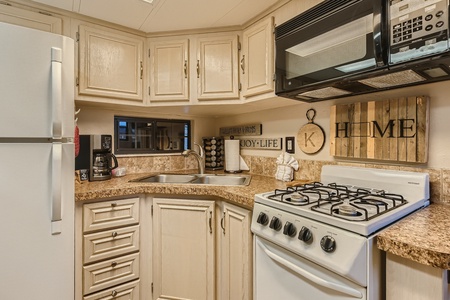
(148, 135)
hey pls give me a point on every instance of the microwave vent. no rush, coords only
(327, 92)
(313, 15)
(393, 79)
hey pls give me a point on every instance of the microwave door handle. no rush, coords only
(379, 33)
(309, 276)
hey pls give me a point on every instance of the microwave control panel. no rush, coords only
(418, 25)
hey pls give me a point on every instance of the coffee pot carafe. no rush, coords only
(96, 156)
(103, 165)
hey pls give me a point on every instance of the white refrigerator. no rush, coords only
(36, 165)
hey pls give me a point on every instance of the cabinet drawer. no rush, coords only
(109, 273)
(110, 214)
(107, 244)
(127, 291)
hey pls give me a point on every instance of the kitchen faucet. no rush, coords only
(199, 157)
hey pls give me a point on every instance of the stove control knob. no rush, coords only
(328, 244)
(275, 224)
(289, 229)
(305, 235)
(262, 219)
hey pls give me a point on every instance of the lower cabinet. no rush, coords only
(144, 247)
(234, 252)
(201, 250)
(409, 280)
(183, 249)
(112, 246)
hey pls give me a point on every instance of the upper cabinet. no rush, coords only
(194, 68)
(169, 73)
(257, 61)
(31, 19)
(110, 63)
(217, 67)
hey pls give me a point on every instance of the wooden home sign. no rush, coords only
(393, 130)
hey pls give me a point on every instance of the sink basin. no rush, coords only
(213, 179)
(167, 178)
(223, 180)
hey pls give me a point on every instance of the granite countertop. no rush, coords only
(422, 237)
(120, 186)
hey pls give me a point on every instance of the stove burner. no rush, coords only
(347, 210)
(298, 198)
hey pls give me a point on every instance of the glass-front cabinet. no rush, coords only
(146, 135)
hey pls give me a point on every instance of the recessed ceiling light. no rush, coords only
(148, 1)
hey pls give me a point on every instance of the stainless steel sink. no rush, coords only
(212, 179)
(167, 178)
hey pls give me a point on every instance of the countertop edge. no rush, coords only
(421, 237)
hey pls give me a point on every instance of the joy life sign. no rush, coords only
(393, 130)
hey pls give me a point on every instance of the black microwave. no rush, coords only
(341, 48)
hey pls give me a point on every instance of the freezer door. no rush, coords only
(36, 83)
(36, 263)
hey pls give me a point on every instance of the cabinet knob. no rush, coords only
(114, 234)
(114, 264)
(114, 293)
(114, 204)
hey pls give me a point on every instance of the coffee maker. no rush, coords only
(96, 156)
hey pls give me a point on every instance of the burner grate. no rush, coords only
(341, 201)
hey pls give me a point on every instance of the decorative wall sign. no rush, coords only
(310, 137)
(394, 130)
(251, 129)
(262, 143)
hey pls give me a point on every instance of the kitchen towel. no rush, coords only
(286, 166)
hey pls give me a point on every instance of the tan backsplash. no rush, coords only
(309, 169)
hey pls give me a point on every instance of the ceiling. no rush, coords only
(167, 15)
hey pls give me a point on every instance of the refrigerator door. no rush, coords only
(36, 84)
(36, 263)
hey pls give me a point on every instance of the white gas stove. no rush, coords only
(333, 225)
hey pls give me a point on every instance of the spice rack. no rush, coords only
(214, 152)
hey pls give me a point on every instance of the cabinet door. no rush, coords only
(217, 68)
(169, 70)
(110, 63)
(235, 259)
(183, 249)
(21, 17)
(257, 61)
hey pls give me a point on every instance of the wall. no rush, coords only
(287, 121)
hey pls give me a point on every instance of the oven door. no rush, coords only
(332, 40)
(280, 274)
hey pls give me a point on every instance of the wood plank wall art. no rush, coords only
(391, 130)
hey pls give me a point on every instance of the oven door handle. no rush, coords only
(330, 285)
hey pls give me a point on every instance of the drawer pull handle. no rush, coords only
(114, 234)
(114, 293)
(113, 264)
(114, 204)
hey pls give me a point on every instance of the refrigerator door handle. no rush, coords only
(56, 188)
(57, 92)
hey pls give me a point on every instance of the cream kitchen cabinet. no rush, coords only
(234, 252)
(202, 250)
(217, 67)
(183, 249)
(169, 69)
(194, 68)
(257, 60)
(110, 65)
(110, 245)
(31, 19)
(409, 280)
